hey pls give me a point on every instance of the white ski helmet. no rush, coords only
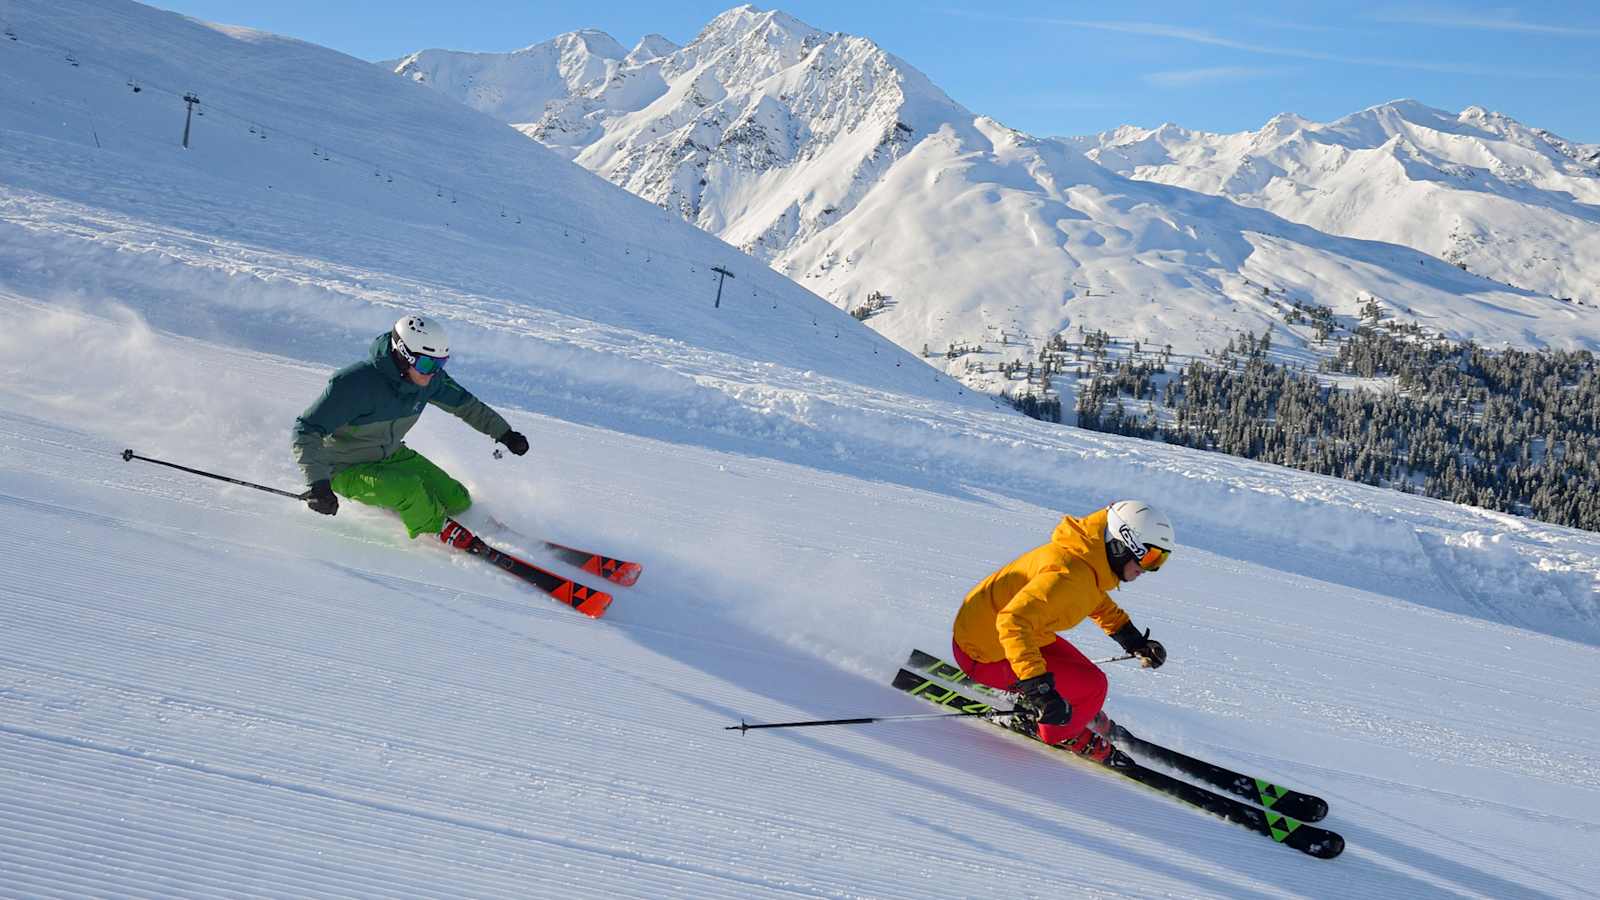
(420, 343)
(1135, 530)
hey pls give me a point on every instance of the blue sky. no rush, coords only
(1066, 69)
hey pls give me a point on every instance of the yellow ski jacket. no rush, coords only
(1016, 611)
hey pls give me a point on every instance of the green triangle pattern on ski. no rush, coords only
(1270, 793)
(1282, 826)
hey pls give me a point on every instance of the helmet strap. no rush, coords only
(399, 353)
(400, 361)
(1118, 556)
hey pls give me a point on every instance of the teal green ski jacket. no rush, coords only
(368, 407)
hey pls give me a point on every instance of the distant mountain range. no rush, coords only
(1479, 189)
(845, 168)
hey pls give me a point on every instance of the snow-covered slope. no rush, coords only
(1510, 202)
(208, 690)
(846, 168)
(517, 239)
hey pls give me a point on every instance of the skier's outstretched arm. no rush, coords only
(460, 402)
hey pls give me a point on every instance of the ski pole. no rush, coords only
(129, 455)
(865, 720)
(1124, 656)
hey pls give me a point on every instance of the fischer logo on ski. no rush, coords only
(1270, 793)
(1282, 826)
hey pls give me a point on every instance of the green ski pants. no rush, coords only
(406, 482)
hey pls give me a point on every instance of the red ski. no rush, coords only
(580, 597)
(618, 571)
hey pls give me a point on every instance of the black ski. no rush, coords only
(1308, 839)
(1302, 806)
(1297, 804)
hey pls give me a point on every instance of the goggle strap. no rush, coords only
(1153, 558)
(399, 347)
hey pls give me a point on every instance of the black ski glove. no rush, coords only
(322, 499)
(1150, 653)
(514, 442)
(1038, 694)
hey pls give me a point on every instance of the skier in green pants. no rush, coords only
(349, 441)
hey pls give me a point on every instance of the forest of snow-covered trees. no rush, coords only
(1511, 430)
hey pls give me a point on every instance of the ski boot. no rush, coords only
(1092, 746)
(457, 535)
(1102, 725)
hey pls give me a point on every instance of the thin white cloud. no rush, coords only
(1506, 21)
(1202, 36)
(1187, 77)
(1288, 25)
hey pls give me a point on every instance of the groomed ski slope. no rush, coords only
(209, 691)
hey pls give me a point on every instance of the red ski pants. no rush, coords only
(1078, 681)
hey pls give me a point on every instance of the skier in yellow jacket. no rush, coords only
(1005, 632)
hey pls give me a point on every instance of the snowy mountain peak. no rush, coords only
(583, 42)
(1492, 122)
(756, 92)
(1406, 117)
(1285, 124)
(744, 46)
(1411, 110)
(516, 86)
(1375, 125)
(743, 23)
(650, 47)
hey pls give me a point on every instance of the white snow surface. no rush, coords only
(209, 691)
(846, 168)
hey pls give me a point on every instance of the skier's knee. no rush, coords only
(1095, 688)
(1085, 687)
(455, 498)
